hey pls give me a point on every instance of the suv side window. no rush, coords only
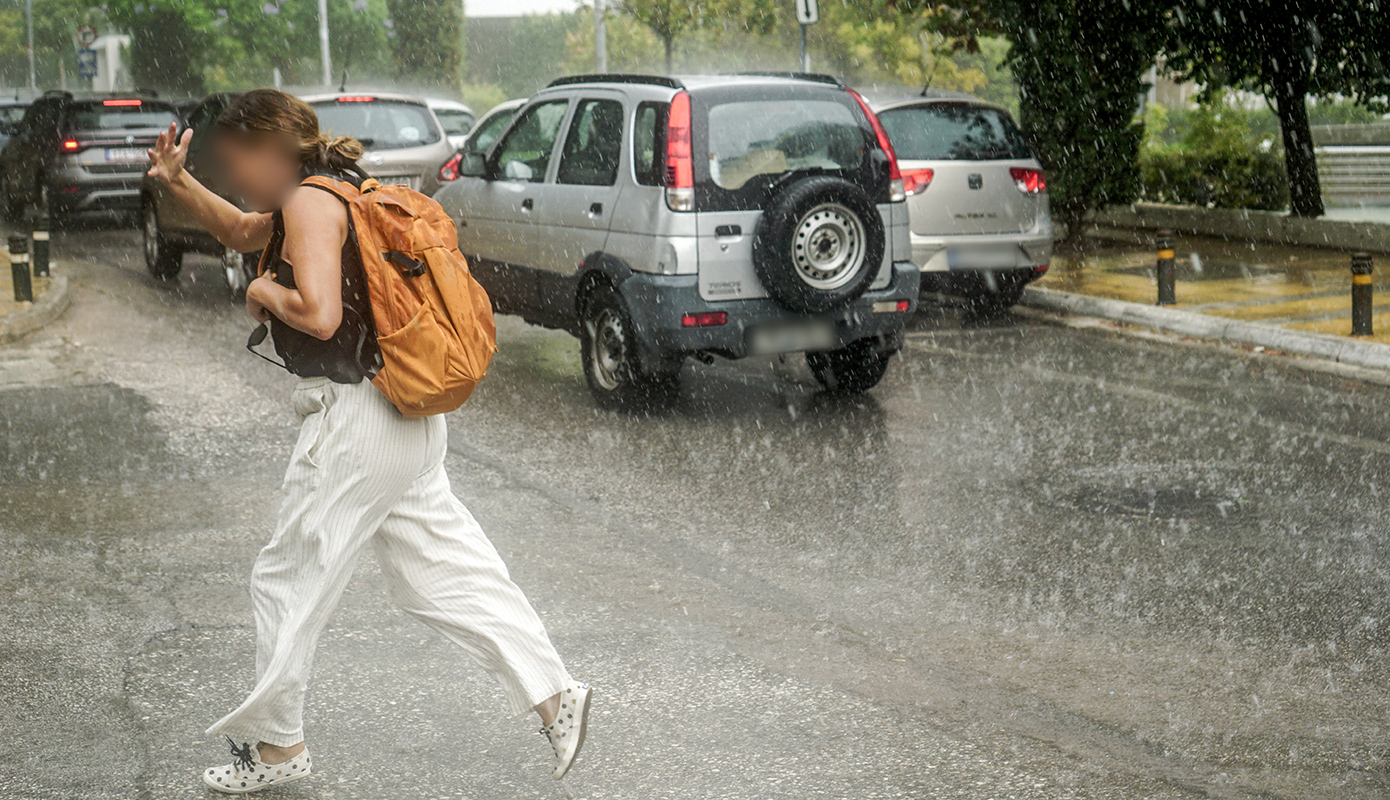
(525, 153)
(594, 144)
(648, 131)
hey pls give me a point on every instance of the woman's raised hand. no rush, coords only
(168, 154)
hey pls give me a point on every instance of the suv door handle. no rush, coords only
(595, 209)
(528, 204)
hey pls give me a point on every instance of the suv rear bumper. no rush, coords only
(658, 302)
(75, 189)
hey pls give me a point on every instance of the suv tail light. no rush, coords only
(450, 169)
(1029, 181)
(896, 191)
(128, 101)
(916, 181)
(71, 146)
(680, 163)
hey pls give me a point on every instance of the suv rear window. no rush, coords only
(771, 137)
(379, 124)
(131, 115)
(953, 132)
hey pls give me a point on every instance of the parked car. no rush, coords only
(11, 112)
(787, 233)
(981, 226)
(482, 136)
(79, 154)
(404, 141)
(170, 230)
(456, 118)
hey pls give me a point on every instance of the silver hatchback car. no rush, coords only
(977, 198)
(404, 141)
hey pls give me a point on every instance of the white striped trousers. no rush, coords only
(361, 472)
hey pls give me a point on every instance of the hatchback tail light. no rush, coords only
(1029, 181)
(896, 190)
(680, 162)
(450, 170)
(704, 319)
(916, 181)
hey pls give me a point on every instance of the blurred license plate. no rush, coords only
(126, 154)
(982, 257)
(796, 337)
(408, 181)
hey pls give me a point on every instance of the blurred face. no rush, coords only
(262, 170)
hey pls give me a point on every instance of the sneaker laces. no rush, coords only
(545, 729)
(243, 757)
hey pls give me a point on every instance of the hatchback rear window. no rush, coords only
(379, 124)
(772, 137)
(129, 115)
(953, 132)
(456, 122)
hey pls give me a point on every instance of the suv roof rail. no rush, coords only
(617, 77)
(816, 77)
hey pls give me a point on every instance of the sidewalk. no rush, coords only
(50, 301)
(1297, 288)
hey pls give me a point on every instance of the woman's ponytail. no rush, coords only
(337, 152)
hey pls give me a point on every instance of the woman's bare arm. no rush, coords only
(237, 229)
(316, 226)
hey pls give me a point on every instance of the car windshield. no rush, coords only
(488, 130)
(379, 124)
(135, 115)
(456, 121)
(953, 132)
(10, 115)
(771, 137)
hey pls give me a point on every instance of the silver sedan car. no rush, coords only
(404, 141)
(977, 198)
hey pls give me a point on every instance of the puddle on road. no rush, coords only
(1153, 503)
(82, 434)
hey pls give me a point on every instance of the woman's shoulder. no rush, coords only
(313, 203)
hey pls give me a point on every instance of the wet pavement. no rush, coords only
(1039, 561)
(1294, 287)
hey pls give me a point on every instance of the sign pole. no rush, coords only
(323, 44)
(29, 23)
(600, 39)
(807, 13)
(805, 55)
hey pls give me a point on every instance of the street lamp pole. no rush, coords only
(323, 43)
(29, 23)
(600, 39)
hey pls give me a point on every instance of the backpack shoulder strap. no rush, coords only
(344, 190)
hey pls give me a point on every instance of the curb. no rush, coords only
(45, 310)
(1201, 326)
(1248, 225)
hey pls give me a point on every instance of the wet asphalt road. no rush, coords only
(1040, 561)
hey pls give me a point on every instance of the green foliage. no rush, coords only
(1217, 163)
(518, 55)
(670, 20)
(427, 42)
(481, 97)
(1286, 52)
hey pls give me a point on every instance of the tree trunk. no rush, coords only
(1290, 98)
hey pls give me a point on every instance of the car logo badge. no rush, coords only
(130, 140)
(976, 180)
(376, 159)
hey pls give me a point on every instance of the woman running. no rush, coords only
(360, 471)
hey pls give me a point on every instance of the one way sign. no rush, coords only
(807, 12)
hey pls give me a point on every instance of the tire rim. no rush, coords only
(151, 229)
(608, 350)
(233, 266)
(828, 247)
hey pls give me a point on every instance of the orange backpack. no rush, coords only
(433, 320)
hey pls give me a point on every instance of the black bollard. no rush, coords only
(19, 268)
(39, 250)
(1166, 276)
(1361, 291)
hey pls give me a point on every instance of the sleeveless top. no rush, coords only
(351, 354)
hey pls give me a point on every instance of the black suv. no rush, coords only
(662, 218)
(80, 153)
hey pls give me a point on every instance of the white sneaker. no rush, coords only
(248, 773)
(566, 733)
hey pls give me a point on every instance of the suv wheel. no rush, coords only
(819, 244)
(162, 260)
(609, 350)
(239, 269)
(850, 370)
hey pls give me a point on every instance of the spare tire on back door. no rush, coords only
(819, 244)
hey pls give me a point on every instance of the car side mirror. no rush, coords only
(473, 165)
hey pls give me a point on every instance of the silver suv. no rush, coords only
(660, 219)
(978, 199)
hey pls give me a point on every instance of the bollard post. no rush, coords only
(19, 268)
(1361, 294)
(38, 253)
(1166, 270)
